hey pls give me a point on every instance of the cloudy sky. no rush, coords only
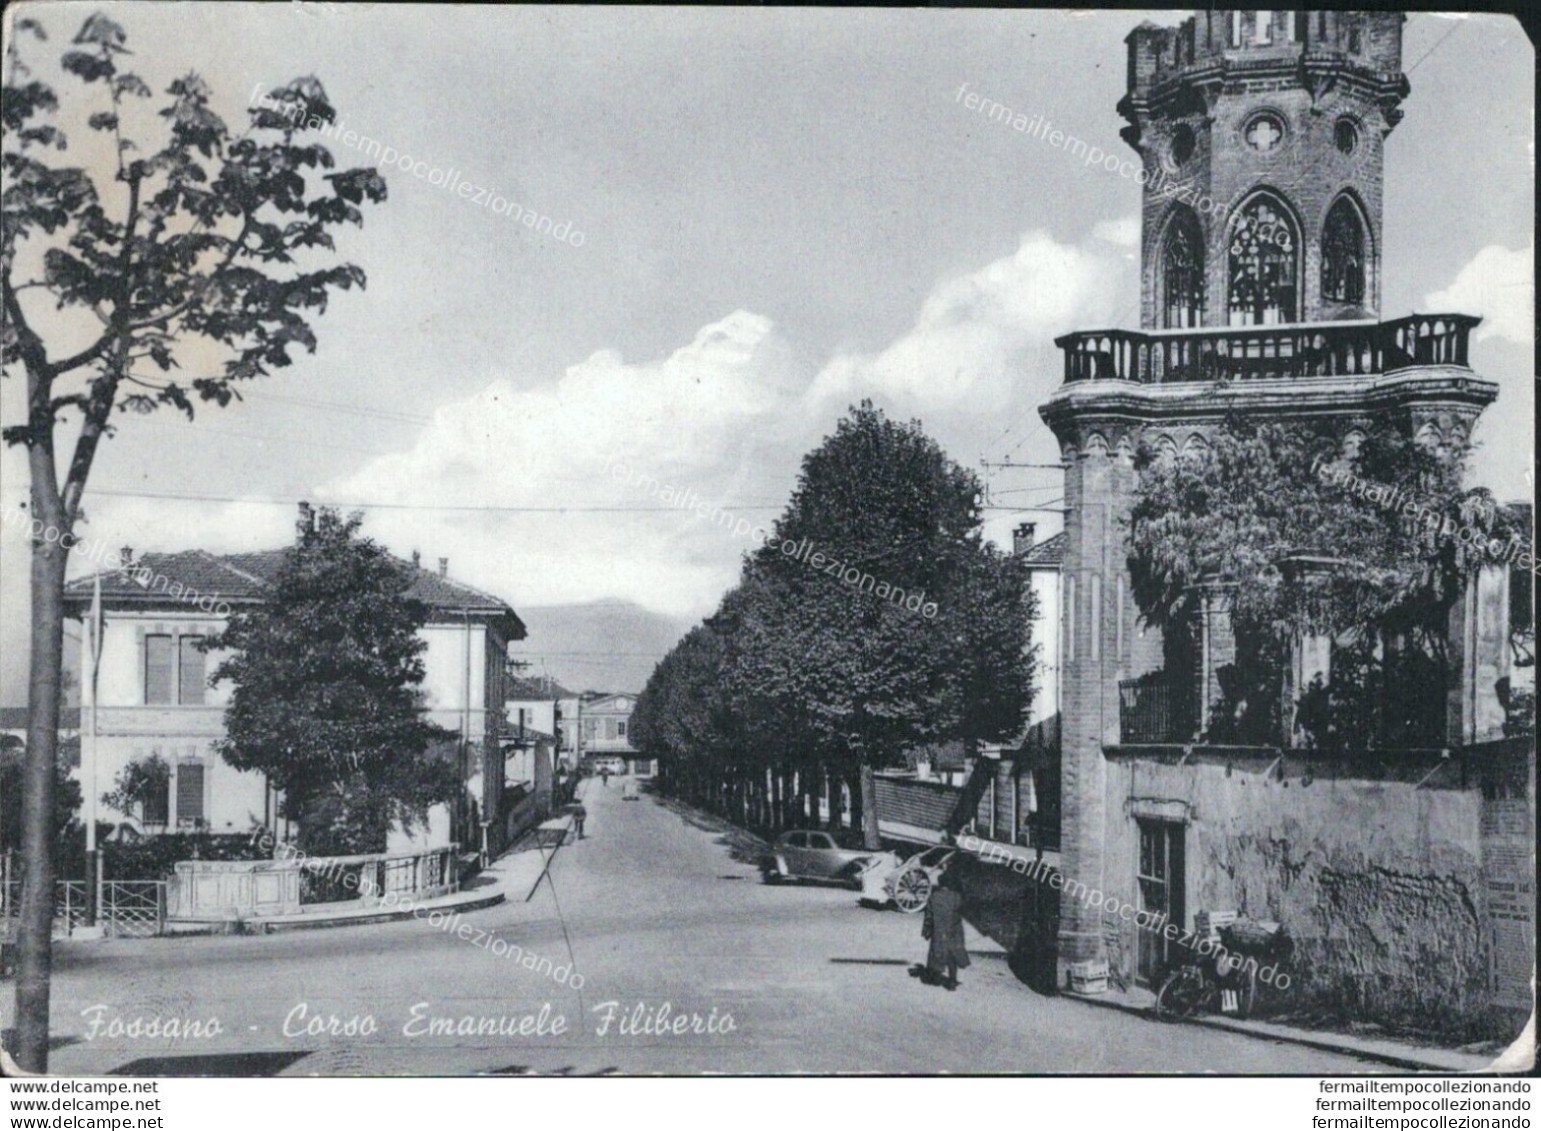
(782, 212)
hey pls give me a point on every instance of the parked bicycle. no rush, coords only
(1222, 977)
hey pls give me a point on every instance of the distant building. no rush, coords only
(605, 722)
(544, 704)
(1043, 562)
(152, 695)
(539, 739)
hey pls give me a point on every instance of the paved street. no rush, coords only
(651, 908)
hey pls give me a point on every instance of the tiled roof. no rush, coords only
(538, 687)
(1051, 551)
(237, 579)
(593, 696)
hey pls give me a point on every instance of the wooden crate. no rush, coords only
(1089, 977)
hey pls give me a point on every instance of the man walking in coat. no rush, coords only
(944, 928)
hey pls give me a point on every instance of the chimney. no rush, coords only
(417, 560)
(443, 567)
(126, 556)
(1022, 537)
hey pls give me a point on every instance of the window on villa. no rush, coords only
(159, 669)
(157, 805)
(1343, 254)
(1262, 27)
(1263, 252)
(189, 793)
(620, 729)
(1236, 28)
(194, 680)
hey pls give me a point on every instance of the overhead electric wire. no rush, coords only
(469, 508)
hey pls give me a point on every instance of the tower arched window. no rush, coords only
(1343, 254)
(1263, 252)
(1182, 272)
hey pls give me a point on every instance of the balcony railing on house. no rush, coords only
(1252, 353)
(1154, 712)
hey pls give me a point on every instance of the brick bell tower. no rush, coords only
(1280, 118)
(1261, 135)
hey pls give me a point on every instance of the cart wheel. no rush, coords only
(912, 890)
(1181, 995)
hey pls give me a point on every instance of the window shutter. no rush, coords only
(159, 673)
(189, 792)
(193, 679)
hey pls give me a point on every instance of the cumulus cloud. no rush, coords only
(975, 333)
(723, 420)
(1499, 285)
(607, 434)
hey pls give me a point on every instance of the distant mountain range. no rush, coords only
(599, 646)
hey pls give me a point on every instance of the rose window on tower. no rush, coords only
(1264, 133)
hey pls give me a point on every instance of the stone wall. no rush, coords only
(1377, 872)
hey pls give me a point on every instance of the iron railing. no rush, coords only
(1250, 353)
(1155, 711)
(133, 907)
(70, 910)
(340, 879)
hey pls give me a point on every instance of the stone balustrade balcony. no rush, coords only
(1255, 353)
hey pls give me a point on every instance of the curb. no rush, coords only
(1445, 1065)
(265, 927)
(490, 900)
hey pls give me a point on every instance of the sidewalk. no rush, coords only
(518, 871)
(1398, 1054)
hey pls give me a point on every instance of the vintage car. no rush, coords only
(629, 791)
(812, 855)
(906, 883)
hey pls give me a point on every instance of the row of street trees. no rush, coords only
(807, 679)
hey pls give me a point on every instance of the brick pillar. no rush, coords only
(1479, 659)
(1098, 487)
(1217, 648)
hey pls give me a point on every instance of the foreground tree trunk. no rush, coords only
(35, 935)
